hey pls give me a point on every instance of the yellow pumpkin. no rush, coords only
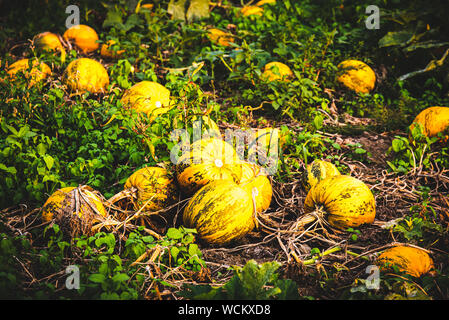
(432, 121)
(254, 180)
(106, 52)
(147, 97)
(84, 37)
(317, 171)
(262, 2)
(276, 71)
(251, 11)
(154, 188)
(413, 261)
(86, 74)
(221, 212)
(38, 71)
(342, 200)
(208, 160)
(49, 42)
(357, 76)
(220, 37)
(75, 209)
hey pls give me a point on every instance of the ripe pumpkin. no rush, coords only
(75, 209)
(254, 180)
(317, 171)
(49, 42)
(357, 76)
(276, 71)
(86, 74)
(432, 121)
(221, 211)
(413, 261)
(343, 200)
(154, 188)
(220, 37)
(251, 10)
(84, 37)
(262, 2)
(208, 160)
(147, 97)
(38, 71)
(106, 52)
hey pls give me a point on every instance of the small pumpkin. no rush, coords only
(74, 209)
(208, 160)
(254, 180)
(252, 11)
(147, 97)
(317, 171)
(33, 70)
(220, 37)
(84, 37)
(410, 260)
(49, 42)
(262, 2)
(276, 71)
(357, 76)
(432, 121)
(221, 212)
(107, 52)
(342, 200)
(153, 187)
(84, 74)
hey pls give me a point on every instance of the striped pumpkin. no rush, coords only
(317, 171)
(254, 180)
(221, 212)
(432, 121)
(154, 188)
(343, 200)
(413, 261)
(208, 160)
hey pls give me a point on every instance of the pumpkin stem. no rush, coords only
(317, 214)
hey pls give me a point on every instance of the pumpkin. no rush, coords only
(276, 71)
(74, 209)
(49, 42)
(220, 37)
(317, 171)
(343, 200)
(432, 121)
(251, 11)
(208, 160)
(410, 260)
(106, 52)
(153, 187)
(84, 37)
(254, 180)
(221, 212)
(262, 2)
(38, 71)
(147, 97)
(357, 76)
(86, 74)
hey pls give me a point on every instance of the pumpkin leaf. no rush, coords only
(198, 9)
(177, 9)
(399, 38)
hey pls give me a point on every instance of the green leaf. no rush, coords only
(174, 252)
(120, 277)
(174, 234)
(198, 9)
(177, 9)
(399, 38)
(113, 19)
(49, 161)
(97, 278)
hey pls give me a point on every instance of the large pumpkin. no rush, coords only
(317, 171)
(33, 70)
(86, 74)
(344, 201)
(432, 121)
(147, 97)
(84, 37)
(49, 42)
(221, 212)
(208, 160)
(154, 188)
(75, 209)
(220, 37)
(357, 76)
(276, 71)
(254, 180)
(413, 261)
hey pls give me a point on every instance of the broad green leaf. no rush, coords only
(120, 277)
(49, 161)
(399, 38)
(113, 19)
(177, 9)
(97, 278)
(198, 9)
(174, 233)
